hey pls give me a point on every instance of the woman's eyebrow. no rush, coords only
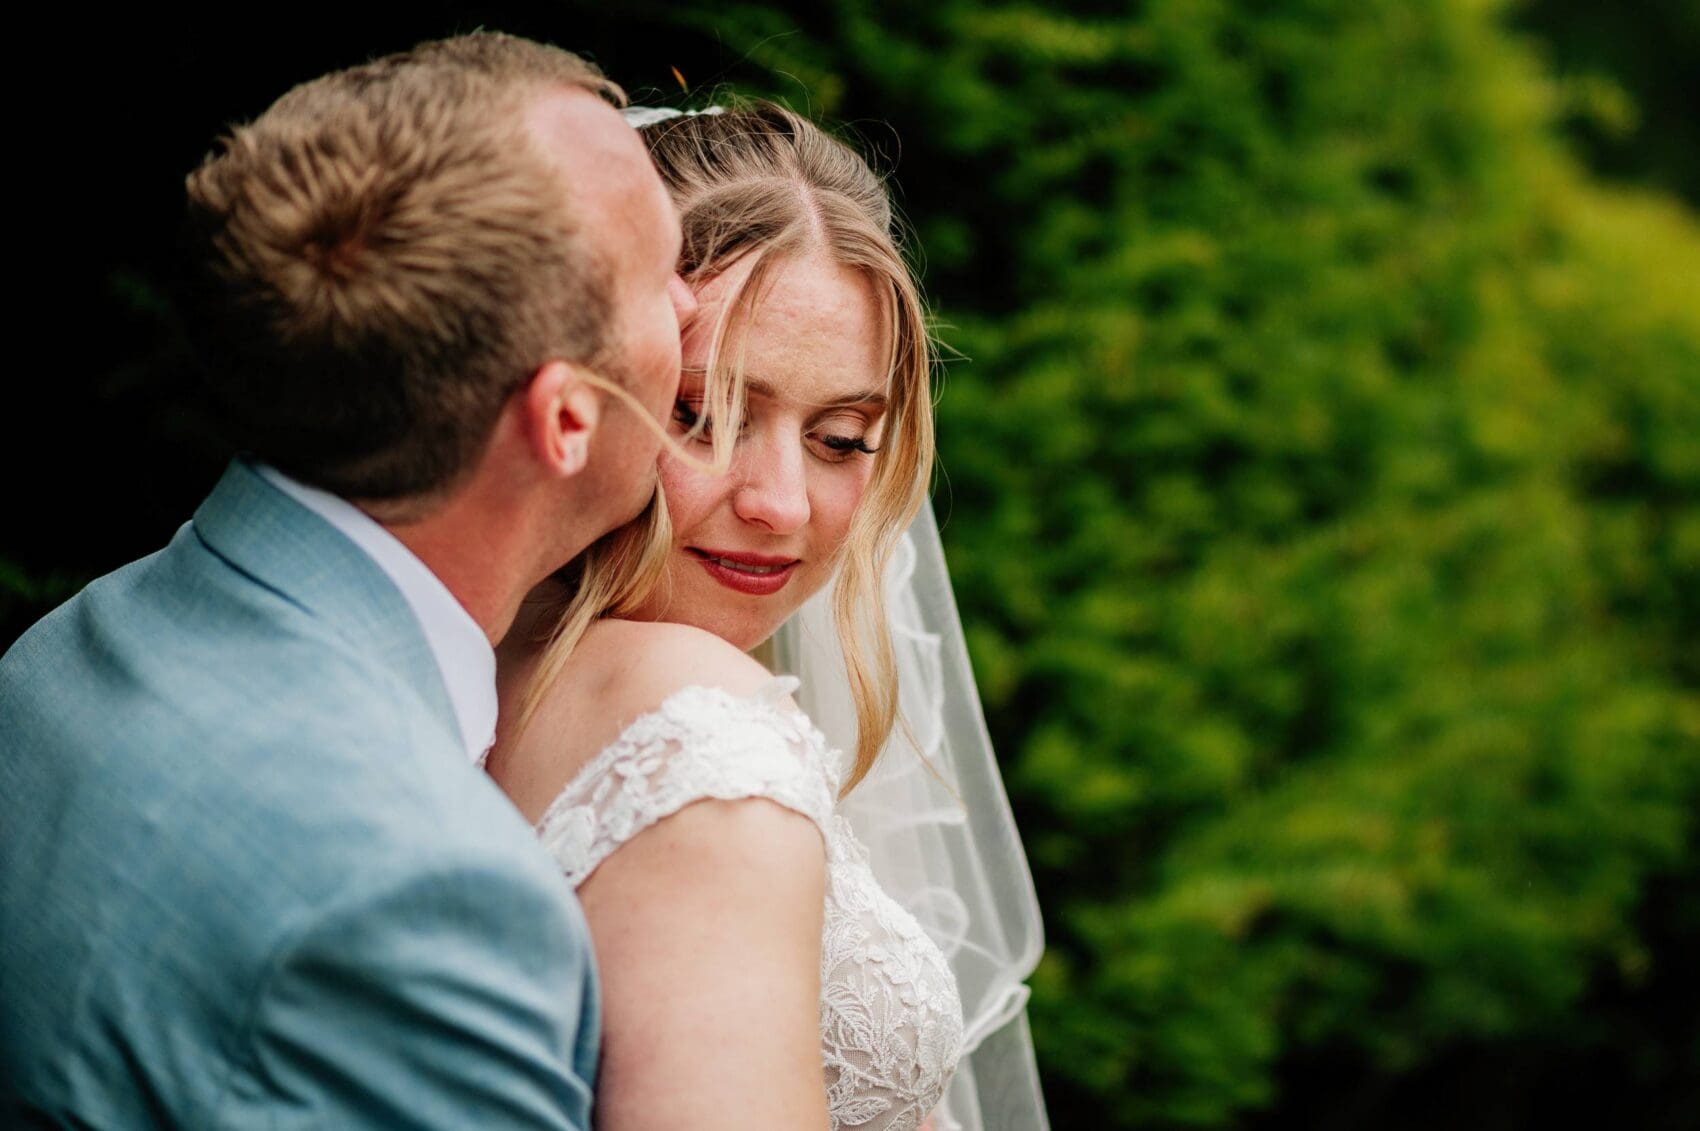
(764, 388)
(851, 400)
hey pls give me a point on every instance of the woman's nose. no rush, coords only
(773, 488)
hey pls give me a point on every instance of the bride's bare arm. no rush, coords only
(708, 933)
(706, 926)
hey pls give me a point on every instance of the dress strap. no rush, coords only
(701, 743)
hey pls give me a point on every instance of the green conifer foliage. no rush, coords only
(1321, 481)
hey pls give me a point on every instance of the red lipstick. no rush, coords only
(759, 575)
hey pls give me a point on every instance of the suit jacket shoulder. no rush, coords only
(223, 764)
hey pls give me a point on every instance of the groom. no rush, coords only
(250, 874)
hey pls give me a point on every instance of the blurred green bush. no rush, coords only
(1323, 490)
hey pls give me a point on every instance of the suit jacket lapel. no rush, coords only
(285, 547)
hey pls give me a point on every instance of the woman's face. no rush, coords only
(751, 545)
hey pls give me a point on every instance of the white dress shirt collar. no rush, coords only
(463, 653)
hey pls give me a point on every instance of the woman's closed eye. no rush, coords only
(689, 416)
(844, 436)
(834, 441)
(843, 447)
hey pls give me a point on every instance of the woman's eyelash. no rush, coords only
(686, 414)
(848, 444)
(690, 416)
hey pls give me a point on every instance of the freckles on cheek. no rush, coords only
(838, 504)
(691, 496)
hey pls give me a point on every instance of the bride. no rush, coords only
(762, 905)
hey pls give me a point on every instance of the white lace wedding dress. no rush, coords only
(890, 1019)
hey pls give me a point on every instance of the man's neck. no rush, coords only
(482, 555)
(494, 535)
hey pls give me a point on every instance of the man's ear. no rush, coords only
(561, 414)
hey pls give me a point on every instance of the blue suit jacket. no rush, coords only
(247, 875)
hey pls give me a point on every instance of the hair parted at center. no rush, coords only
(762, 183)
(380, 259)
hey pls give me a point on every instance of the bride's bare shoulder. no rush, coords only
(638, 664)
(619, 671)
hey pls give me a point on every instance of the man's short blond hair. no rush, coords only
(380, 259)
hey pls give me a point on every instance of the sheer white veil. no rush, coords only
(942, 841)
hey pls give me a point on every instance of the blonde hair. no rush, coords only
(381, 258)
(610, 579)
(760, 181)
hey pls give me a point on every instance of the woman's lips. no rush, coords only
(759, 575)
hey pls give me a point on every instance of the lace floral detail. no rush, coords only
(700, 743)
(891, 1019)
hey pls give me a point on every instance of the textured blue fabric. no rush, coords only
(247, 876)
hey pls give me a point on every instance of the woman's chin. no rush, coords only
(746, 638)
(737, 631)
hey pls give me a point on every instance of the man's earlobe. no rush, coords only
(573, 455)
(562, 410)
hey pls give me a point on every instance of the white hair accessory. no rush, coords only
(637, 117)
